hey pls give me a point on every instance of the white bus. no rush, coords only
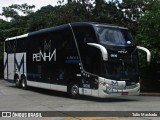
(79, 58)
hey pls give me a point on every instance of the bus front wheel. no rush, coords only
(73, 90)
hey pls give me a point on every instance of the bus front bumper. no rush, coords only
(109, 88)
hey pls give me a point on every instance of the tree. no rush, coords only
(11, 11)
(69, 1)
(18, 24)
(107, 12)
(42, 18)
(148, 29)
(132, 11)
(99, 2)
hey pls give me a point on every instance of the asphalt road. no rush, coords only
(36, 99)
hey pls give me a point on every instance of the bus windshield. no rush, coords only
(121, 69)
(114, 36)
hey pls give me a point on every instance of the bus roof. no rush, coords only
(97, 24)
(64, 26)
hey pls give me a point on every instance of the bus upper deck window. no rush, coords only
(114, 36)
(119, 38)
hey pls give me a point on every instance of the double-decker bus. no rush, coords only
(80, 58)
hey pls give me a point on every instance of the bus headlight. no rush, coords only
(103, 83)
(106, 84)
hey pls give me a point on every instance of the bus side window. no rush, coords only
(11, 46)
(89, 38)
(90, 56)
(6, 47)
(22, 45)
(57, 40)
(65, 40)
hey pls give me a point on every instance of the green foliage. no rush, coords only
(24, 8)
(72, 12)
(51, 16)
(18, 23)
(11, 11)
(42, 18)
(148, 30)
(107, 13)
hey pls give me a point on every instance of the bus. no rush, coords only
(80, 58)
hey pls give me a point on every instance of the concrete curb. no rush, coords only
(150, 94)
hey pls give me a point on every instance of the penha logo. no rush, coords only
(43, 56)
(46, 55)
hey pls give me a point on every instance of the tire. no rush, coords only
(17, 81)
(73, 90)
(24, 83)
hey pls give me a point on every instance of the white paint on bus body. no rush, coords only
(17, 37)
(47, 86)
(14, 63)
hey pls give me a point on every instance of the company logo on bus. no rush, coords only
(47, 55)
(44, 56)
(123, 51)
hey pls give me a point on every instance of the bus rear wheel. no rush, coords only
(24, 83)
(73, 90)
(17, 81)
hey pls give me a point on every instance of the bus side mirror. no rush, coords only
(102, 49)
(147, 51)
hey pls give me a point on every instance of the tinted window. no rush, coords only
(90, 56)
(114, 36)
(11, 46)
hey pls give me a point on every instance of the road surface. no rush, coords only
(36, 99)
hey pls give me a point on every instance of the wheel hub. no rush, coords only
(74, 90)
